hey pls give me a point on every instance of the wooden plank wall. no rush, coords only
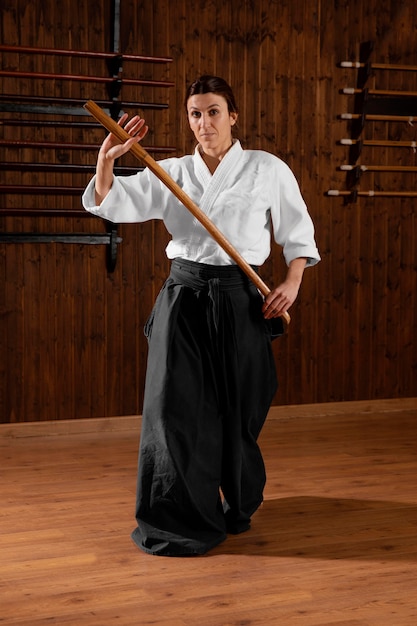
(71, 334)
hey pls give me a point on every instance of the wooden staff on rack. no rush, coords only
(351, 91)
(371, 193)
(85, 78)
(380, 143)
(379, 118)
(65, 145)
(377, 168)
(217, 235)
(84, 54)
(378, 66)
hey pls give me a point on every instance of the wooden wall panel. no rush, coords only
(71, 334)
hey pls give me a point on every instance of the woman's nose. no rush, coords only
(204, 120)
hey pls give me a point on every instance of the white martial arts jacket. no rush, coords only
(251, 194)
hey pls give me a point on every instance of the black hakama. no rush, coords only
(210, 381)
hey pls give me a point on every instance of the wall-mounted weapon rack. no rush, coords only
(24, 112)
(380, 106)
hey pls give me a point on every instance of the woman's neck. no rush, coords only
(213, 160)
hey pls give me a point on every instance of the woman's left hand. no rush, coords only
(279, 300)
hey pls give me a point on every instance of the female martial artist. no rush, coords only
(210, 375)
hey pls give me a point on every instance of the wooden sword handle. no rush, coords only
(145, 157)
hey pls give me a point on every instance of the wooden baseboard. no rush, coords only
(391, 405)
(72, 426)
(133, 422)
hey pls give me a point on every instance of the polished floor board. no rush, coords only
(334, 544)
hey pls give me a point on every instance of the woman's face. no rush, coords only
(211, 122)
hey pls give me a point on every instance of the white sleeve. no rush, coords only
(134, 198)
(292, 225)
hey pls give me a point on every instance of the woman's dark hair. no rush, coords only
(212, 84)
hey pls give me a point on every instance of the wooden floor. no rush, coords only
(335, 542)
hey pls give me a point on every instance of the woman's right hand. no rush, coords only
(111, 149)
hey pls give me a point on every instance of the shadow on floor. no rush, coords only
(329, 528)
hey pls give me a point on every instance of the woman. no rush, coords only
(210, 376)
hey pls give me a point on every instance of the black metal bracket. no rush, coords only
(115, 65)
(353, 176)
(365, 51)
(110, 239)
(114, 88)
(360, 107)
(355, 151)
(112, 245)
(352, 197)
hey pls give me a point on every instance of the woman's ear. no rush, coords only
(233, 118)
